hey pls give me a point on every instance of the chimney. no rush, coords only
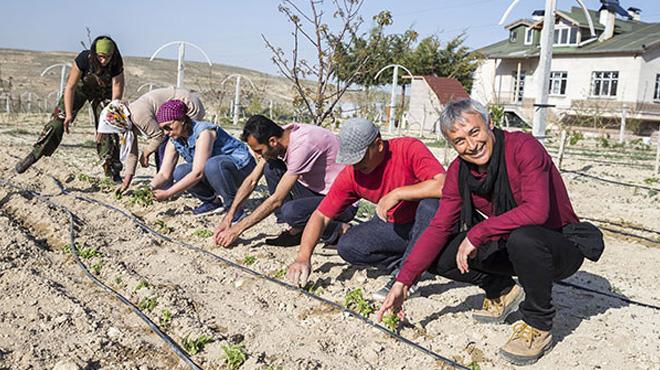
(607, 19)
(635, 13)
(537, 15)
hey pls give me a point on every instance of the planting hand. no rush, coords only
(465, 250)
(224, 224)
(298, 272)
(144, 159)
(394, 301)
(227, 237)
(67, 121)
(386, 203)
(161, 195)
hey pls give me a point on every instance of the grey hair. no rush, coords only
(453, 113)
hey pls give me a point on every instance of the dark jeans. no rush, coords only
(160, 153)
(301, 202)
(383, 244)
(537, 255)
(221, 179)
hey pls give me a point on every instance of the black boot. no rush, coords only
(25, 163)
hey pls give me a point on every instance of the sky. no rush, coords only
(230, 31)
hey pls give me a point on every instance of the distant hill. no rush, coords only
(24, 68)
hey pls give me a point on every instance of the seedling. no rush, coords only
(651, 180)
(66, 248)
(106, 185)
(235, 355)
(141, 284)
(162, 227)
(474, 365)
(203, 233)
(96, 267)
(165, 317)
(148, 303)
(89, 252)
(312, 288)
(118, 280)
(274, 367)
(279, 273)
(249, 260)
(356, 302)
(142, 196)
(391, 321)
(194, 346)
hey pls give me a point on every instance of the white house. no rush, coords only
(428, 96)
(602, 75)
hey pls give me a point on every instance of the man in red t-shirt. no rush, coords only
(505, 211)
(400, 175)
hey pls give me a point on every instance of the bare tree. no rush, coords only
(312, 80)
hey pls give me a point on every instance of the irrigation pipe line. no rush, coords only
(621, 225)
(286, 285)
(74, 249)
(611, 181)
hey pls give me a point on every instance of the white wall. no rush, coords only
(424, 106)
(650, 68)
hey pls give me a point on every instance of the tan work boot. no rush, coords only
(497, 309)
(526, 345)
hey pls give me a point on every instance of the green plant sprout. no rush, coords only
(312, 288)
(474, 365)
(235, 355)
(142, 196)
(162, 227)
(355, 301)
(165, 317)
(203, 233)
(96, 267)
(279, 273)
(249, 260)
(148, 303)
(391, 321)
(142, 284)
(194, 346)
(89, 252)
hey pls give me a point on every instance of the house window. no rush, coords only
(558, 83)
(656, 94)
(566, 35)
(604, 83)
(529, 36)
(513, 36)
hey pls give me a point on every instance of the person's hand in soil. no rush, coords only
(219, 234)
(67, 121)
(394, 301)
(125, 184)
(298, 272)
(228, 236)
(161, 195)
(144, 159)
(386, 203)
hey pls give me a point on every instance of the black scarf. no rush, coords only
(496, 183)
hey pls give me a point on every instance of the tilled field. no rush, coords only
(50, 313)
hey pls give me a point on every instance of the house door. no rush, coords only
(518, 86)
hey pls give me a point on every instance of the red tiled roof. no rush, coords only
(446, 89)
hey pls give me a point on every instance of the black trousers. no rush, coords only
(537, 255)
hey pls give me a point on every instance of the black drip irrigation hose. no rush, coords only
(638, 228)
(286, 285)
(74, 251)
(611, 181)
(624, 299)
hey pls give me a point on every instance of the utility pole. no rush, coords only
(395, 82)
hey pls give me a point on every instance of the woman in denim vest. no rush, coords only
(216, 163)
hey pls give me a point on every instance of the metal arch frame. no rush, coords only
(208, 60)
(43, 73)
(238, 75)
(395, 65)
(152, 85)
(64, 66)
(30, 94)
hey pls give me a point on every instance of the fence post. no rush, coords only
(622, 130)
(562, 146)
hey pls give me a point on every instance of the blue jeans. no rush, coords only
(383, 244)
(221, 179)
(301, 202)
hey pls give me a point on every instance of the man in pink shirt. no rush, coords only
(505, 212)
(400, 175)
(299, 164)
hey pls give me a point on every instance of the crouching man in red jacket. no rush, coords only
(505, 212)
